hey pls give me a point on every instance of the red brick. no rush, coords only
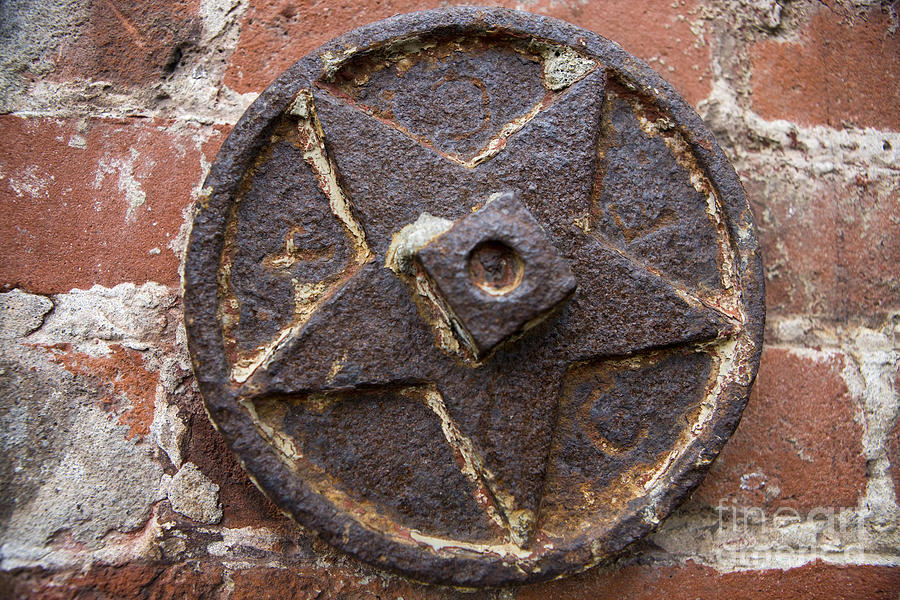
(814, 581)
(132, 581)
(275, 33)
(841, 69)
(194, 581)
(649, 30)
(797, 445)
(187, 581)
(797, 232)
(204, 580)
(274, 584)
(333, 583)
(64, 195)
(130, 43)
(868, 249)
(826, 243)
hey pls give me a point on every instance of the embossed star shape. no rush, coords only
(370, 332)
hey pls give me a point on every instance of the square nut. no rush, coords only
(496, 273)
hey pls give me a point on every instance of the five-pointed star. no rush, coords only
(370, 333)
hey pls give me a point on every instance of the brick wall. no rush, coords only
(114, 484)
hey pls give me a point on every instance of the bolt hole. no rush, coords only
(886, 146)
(495, 268)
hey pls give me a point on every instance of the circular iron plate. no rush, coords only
(350, 404)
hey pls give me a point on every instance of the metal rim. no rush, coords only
(201, 297)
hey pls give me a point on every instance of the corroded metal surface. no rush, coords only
(475, 295)
(494, 274)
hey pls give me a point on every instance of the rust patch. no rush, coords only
(473, 126)
(690, 219)
(131, 387)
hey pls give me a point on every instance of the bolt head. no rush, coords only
(496, 272)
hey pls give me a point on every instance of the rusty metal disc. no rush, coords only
(475, 295)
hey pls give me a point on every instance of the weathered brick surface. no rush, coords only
(327, 584)
(893, 445)
(839, 68)
(95, 201)
(276, 33)
(130, 43)
(798, 445)
(243, 504)
(198, 581)
(125, 378)
(191, 581)
(694, 582)
(826, 241)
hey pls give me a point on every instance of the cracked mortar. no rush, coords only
(862, 534)
(69, 473)
(192, 494)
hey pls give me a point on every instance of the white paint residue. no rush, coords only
(728, 301)
(127, 183)
(315, 155)
(437, 543)
(31, 182)
(282, 442)
(406, 242)
(518, 522)
(260, 538)
(77, 141)
(473, 469)
(727, 351)
(332, 61)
